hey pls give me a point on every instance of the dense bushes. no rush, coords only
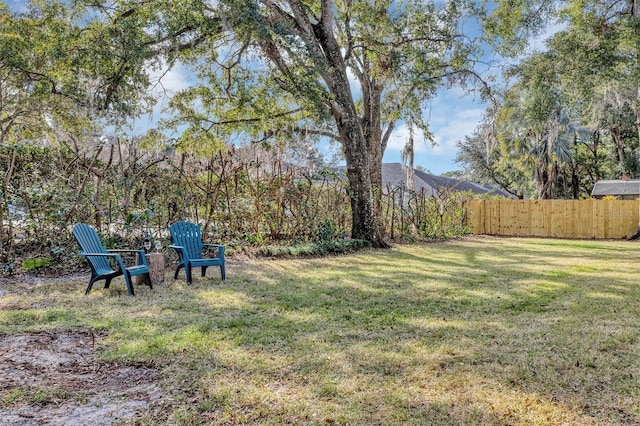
(247, 198)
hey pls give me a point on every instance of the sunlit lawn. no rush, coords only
(472, 331)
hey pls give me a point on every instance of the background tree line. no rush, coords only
(248, 198)
(570, 114)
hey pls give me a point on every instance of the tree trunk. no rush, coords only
(575, 179)
(357, 147)
(372, 130)
(364, 221)
(544, 183)
(594, 150)
(374, 142)
(617, 141)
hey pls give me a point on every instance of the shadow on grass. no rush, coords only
(490, 331)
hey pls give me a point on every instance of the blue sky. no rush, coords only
(452, 115)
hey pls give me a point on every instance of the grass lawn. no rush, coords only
(490, 331)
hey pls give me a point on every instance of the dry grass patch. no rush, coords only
(484, 331)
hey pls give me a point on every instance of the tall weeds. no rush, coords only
(242, 197)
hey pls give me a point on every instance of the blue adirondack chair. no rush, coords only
(187, 242)
(99, 259)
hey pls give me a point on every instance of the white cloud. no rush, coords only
(455, 128)
(448, 127)
(165, 83)
(451, 117)
(401, 135)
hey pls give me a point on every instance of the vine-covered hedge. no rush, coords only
(249, 199)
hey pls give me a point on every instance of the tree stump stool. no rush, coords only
(156, 269)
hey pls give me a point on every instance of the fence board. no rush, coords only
(523, 217)
(555, 218)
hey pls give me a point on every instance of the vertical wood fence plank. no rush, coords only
(537, 217)
(555, 226)
(598, 220)
(610, 219)
(571, 219)
(548, 217)
(555, 218)
(523, 219)
(506, 218)
(583, 222)
(494, 217)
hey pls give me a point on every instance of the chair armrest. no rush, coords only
(213, 245)
(182, 251)
(141, 258)
(125, 251)
(99, 254)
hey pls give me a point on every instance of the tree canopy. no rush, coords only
(287, 73)
(569, 114)
(267, 71)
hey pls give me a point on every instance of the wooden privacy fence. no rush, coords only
(555, 218)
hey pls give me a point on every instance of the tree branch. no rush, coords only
(213, 124)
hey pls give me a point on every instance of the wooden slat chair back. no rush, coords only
(100, 259)
(187, 242)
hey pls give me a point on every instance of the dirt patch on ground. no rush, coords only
(53, 378)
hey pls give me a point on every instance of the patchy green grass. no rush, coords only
(473, 331)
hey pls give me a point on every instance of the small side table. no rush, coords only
(155, 261)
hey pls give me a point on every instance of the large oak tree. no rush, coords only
(343, 69)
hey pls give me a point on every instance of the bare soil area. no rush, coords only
(54, 378)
